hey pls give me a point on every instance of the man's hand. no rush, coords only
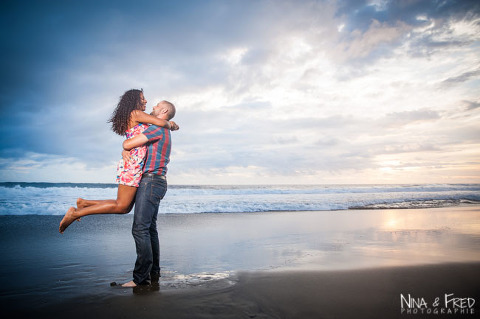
(173, 126)
(126, 156)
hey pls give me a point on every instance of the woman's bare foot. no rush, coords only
(81, 203)
(129, 284)
(67, 219)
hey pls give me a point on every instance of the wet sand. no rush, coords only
(367, 293)
(344, 264)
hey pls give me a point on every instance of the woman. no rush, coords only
(130, 119)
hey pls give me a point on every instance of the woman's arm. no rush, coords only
(142, 117)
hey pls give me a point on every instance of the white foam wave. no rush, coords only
(174, 280)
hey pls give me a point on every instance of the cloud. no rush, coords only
(378, 27)
(466, 76)
(398, 119)
(40, 167)
(359, 14)
(372, 39)
(471, 105)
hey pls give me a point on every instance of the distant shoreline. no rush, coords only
(74, 184)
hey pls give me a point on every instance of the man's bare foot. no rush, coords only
(67, 219)
(129, 284)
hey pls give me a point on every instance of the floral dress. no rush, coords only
(130, 173)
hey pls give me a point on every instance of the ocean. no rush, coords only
(56, 198)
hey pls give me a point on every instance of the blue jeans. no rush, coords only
(151, 190)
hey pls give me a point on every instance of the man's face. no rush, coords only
(157, 108)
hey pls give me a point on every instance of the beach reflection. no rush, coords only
(397, 238)
(320, 240)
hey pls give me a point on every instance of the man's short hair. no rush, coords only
(171, 110)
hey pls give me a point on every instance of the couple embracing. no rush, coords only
(141, 178)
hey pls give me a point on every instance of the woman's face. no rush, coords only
(143, 102)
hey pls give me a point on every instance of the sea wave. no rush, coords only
(56, 198)
(434, 203)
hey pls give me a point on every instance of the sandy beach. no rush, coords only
(335, 264)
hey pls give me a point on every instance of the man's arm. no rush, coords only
(133, 142)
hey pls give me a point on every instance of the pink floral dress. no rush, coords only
(130, 173)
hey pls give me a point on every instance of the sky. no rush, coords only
(267, 92)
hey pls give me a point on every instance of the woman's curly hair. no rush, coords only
(120, 119)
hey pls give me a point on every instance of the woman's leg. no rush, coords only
(82, 203)
(122, 205)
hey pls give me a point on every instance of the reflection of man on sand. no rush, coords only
(153, 187)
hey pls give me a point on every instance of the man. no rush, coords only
(153, 187)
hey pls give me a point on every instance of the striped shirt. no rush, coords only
(158, 150)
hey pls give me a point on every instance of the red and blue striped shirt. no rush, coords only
(158, 150)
